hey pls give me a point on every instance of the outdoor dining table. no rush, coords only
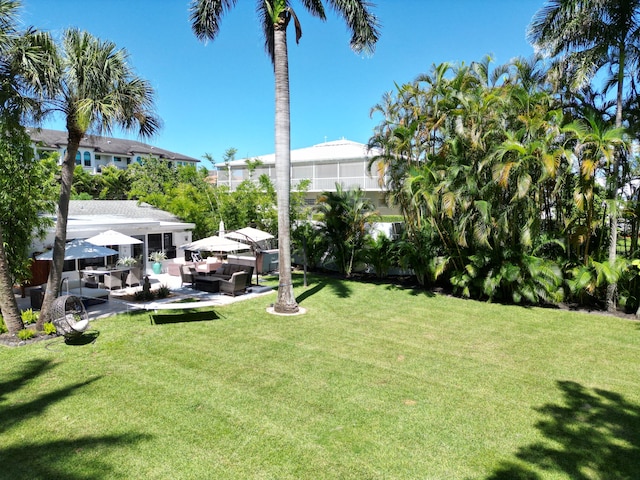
(121, 272)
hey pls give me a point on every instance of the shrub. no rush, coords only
(3, 327)
(163, 291)
(25, 334)
(49, 328)
(143, 295)
(29, 316)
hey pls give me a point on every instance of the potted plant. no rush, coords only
(157, 258)
(126, 261)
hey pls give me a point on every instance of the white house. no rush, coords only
(324, 164)
(96, 152)
(158, 230)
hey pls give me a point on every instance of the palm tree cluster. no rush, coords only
(508, 179)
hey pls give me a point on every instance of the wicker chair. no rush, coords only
(69, 316)
(186, 275)
(133, 277)
(114, 280)
(236, 284)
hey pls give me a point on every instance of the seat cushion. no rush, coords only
(80, 326)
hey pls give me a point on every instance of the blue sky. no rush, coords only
(220, 95)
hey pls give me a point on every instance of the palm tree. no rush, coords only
(96, 90)
(275, 16)
(21, 56)
(586, 36)
(346, 214)
(595, 148)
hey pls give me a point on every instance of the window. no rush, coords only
(97, 157)
(351, 170)
(169, 248)
(87, 159)
(302, 171)
(327, 170)
(117, 159)
(154, 242)
(78, 159)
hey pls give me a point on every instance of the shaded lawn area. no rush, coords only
(374, 382)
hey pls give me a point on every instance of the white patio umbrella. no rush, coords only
(215, 244)
(111, 237)
(221, 229)
(79, 249)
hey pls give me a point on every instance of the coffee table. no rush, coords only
(206, 284)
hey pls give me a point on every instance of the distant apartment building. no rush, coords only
(325, 164)
(96, 152)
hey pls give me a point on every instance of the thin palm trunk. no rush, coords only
(8, 304)
(613, 233)
(62, 217)
(286, 302)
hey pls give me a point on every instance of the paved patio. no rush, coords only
(119, 300)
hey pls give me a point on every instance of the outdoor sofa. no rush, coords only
(228, 269)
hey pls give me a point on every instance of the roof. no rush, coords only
(119, 208)
(323, 152)
(109, 145)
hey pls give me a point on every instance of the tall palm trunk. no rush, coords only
(8, 304)
(62, 217)
(613, 233)
(286, 302)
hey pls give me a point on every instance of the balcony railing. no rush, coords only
(317, 184)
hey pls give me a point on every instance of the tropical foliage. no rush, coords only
(345, 215)
(502, 180)
(24, 193)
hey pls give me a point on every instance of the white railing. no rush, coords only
(365, 182)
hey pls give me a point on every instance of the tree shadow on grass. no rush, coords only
(58, 458)
(65, 459)
(594, 434)
(310, 291)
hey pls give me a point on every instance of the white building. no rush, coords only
(96, 152)
(158, 230)
(342, 161)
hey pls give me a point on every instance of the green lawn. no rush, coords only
(374, 382)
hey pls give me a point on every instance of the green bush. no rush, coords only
(29, 316)
(163, 291)
(49, 328)
(3, 327)
(25, 334)
(143, 295)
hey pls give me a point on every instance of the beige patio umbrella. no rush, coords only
(249, 233)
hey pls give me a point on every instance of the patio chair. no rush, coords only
(133, 277)
(114, 280)
(186, 275)
(90, 281)
(235, 285)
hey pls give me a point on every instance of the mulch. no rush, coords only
(9, 340)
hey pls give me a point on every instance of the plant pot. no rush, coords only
(157, 268)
